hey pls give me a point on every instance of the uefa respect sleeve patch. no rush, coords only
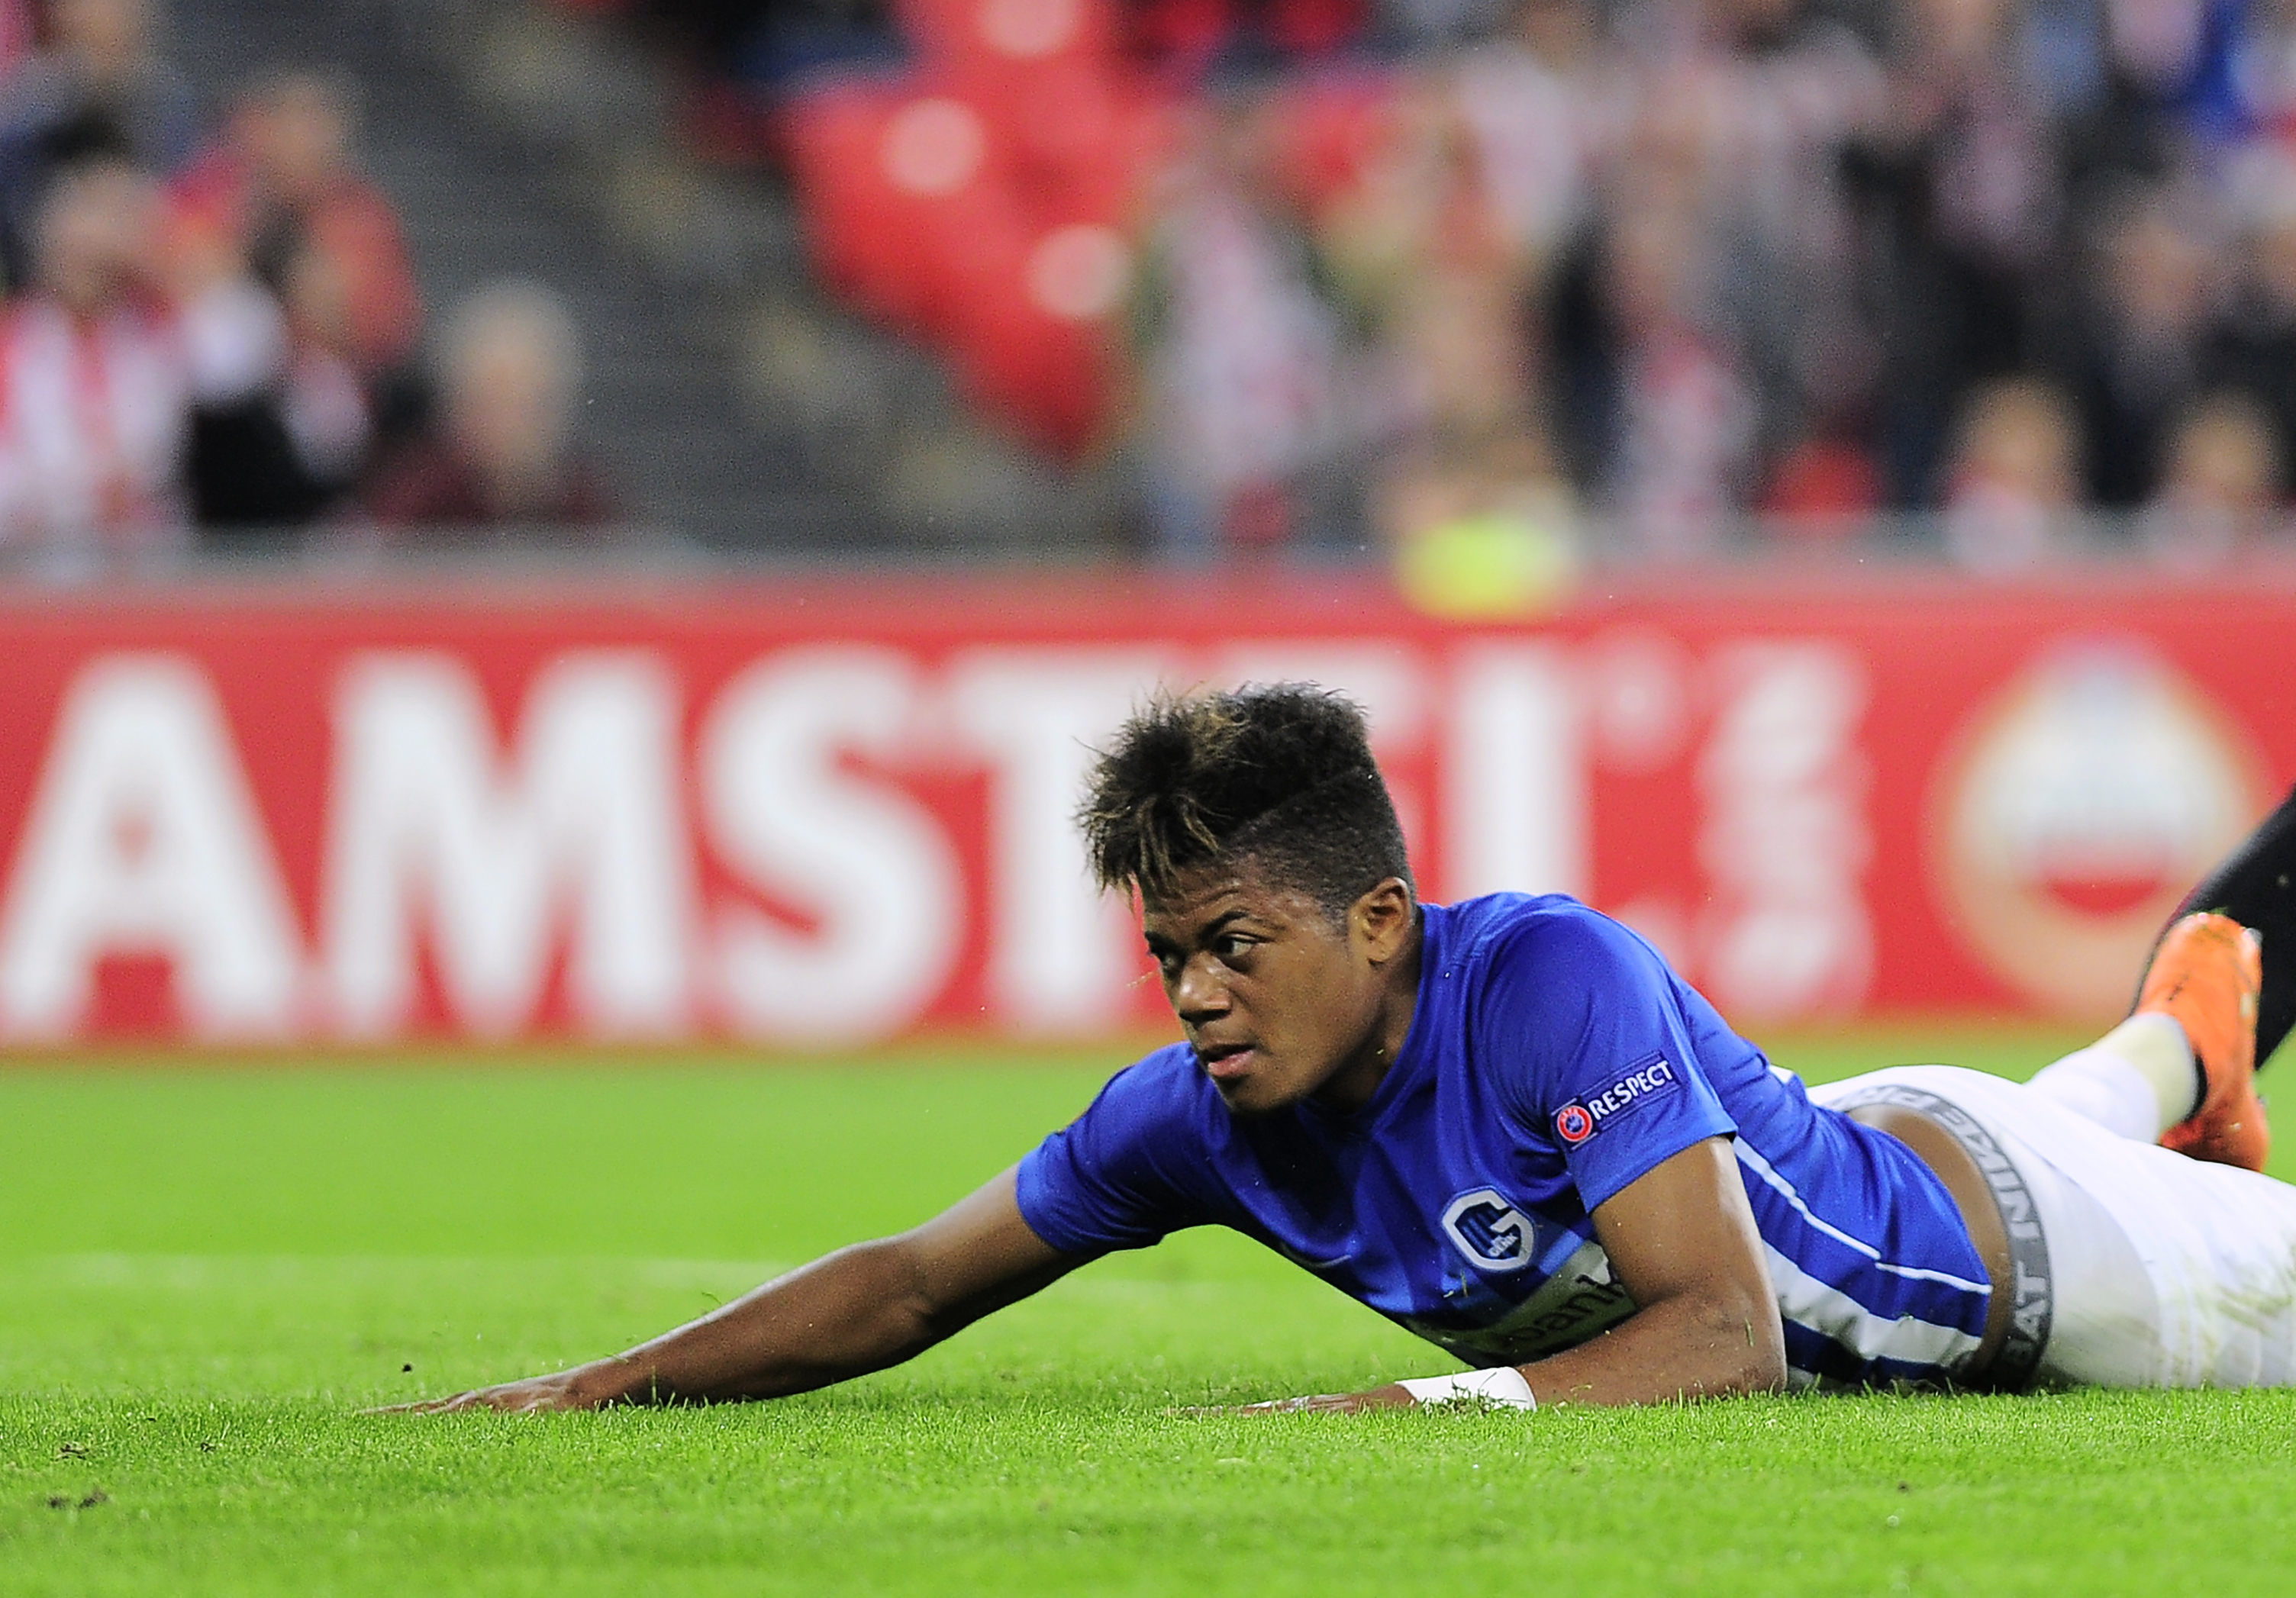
(1583, 1116)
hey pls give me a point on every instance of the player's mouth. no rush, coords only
(1226, 1063)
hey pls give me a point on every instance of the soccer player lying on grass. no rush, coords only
(1507, 1125)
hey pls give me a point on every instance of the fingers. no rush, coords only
(1310, 1404)
(525, 1399)
(423, 1406)
(511, 1398)
(1316, 1403)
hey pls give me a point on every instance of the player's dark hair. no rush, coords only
(1280, 776)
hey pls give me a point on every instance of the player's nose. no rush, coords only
(1199, 994)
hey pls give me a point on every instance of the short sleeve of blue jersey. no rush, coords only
(1583, 1025)
(1106, 1180)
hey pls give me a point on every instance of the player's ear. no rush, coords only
(1381, 920)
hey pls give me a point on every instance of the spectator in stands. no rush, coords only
(504, 460)
(2140, 318)
(321, 237)
(94, 391)
(1958, 190)
(2222, 483)
(2014, 477)
(1709, 323)
(1421, 249)
(304, 197)
(278, 427)
(2251, 346)
(1749, 116)
(282, 189)
(2169, 81)
(100, 87)
(1243, 352)
(1679, 457)
(337, 412)
(1466, 489)
(1544, 105)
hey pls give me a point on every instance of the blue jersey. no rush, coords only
(1552, 1058)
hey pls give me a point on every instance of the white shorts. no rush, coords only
(2135, 1266)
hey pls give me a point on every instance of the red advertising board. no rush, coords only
(837, 811)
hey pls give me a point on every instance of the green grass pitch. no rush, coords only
(205, 1273)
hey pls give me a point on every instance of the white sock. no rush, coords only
(2136, 1081)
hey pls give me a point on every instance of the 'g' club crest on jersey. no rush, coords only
(1490, 1231)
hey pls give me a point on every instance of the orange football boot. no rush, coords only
(2205, 977)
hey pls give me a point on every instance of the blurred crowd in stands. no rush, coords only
(1489, 283)
(2020, 271)
(213, 334)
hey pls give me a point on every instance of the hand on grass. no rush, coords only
(534, 1395)
(1389, 1396)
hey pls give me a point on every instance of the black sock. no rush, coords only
(2256, 886)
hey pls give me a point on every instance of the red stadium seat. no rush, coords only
(1048, 379)
(1315, 27)
(1182, 31)
(972, 249)
(834, 136)
(1085, 147)
(993, 226)
(1056, 119)
(1011, 35)
(1332, 129)
(892, 185)
(1035, 339)
(1039, 32)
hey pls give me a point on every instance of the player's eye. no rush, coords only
(1232, 946)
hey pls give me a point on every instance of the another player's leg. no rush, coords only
(2183, 1069)
(2256, 886)
(2210, 1008)
(2207, 975)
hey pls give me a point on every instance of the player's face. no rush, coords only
(1278, 1000)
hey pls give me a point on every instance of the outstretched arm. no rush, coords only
(847, 1313)
(1682, 1241)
